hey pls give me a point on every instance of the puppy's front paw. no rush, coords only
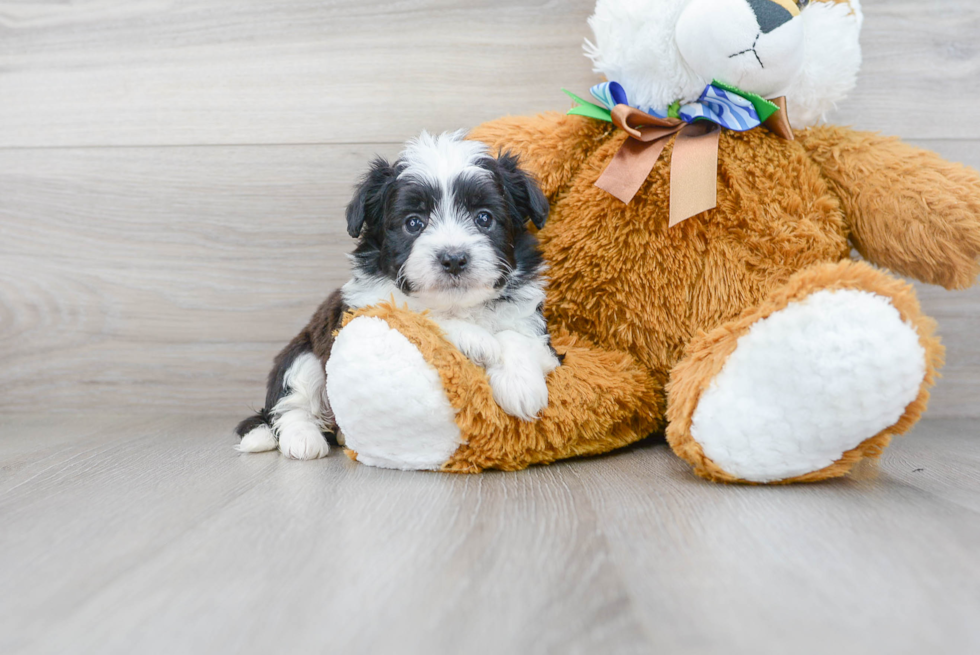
(479, 346)
(302, 440)
(520, 390)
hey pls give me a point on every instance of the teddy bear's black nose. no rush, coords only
(769, 14)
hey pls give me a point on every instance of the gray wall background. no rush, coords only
(173, 174)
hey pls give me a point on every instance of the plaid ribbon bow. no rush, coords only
(720, 103)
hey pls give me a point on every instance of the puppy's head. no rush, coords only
(447, 221)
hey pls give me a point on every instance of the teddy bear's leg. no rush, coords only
(389, 402)
(807, 384)
(405, 397)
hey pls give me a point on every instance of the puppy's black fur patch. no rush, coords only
(317, 338)
(526, 201)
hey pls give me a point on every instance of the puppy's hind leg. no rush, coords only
(256, 434)
(293, 406)
(301, 415)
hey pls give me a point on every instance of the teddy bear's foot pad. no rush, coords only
(809, 383)
(388, 400)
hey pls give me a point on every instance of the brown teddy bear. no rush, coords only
(744, 331)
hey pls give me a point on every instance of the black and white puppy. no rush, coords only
(442, 229)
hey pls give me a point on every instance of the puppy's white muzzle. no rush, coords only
(452, 264)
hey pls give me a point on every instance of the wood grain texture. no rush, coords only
(166, 277)
(151, 535)
(920, 60)
(302, 71)
(154, 72)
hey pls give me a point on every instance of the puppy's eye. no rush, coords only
(414, 224)
(484, 220)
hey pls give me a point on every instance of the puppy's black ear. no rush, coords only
(368, 204)
(528, 199)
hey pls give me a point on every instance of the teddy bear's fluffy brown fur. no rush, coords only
(647, 315)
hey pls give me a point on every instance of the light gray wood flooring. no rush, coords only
(151, 535)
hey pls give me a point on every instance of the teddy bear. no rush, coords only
(718, 303)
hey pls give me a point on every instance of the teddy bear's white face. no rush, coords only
(756, 45)
(662, 51)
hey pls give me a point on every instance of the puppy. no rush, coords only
(442, 229)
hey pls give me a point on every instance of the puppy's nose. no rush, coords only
(772, 13)
(453, 261)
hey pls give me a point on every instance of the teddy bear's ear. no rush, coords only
(833, 57)
(529, 202)
(367, 205)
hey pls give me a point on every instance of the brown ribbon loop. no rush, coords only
(694, 171)
(642, 126)
(778, 123)
(693, 164)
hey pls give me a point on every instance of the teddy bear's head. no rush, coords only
(664, 51)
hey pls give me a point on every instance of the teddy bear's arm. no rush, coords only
(405, 397)
(908, 209)
(551, 146)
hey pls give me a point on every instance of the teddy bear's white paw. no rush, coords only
(388, 401)
(300, 437)
(809, 383)
(477, 343)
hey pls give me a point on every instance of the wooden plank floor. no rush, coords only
(151, 535)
